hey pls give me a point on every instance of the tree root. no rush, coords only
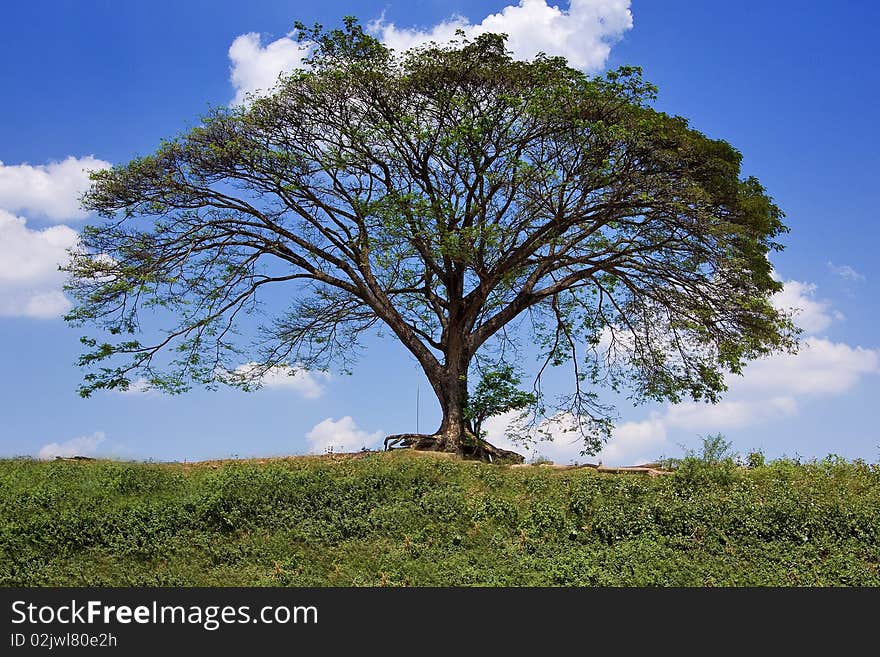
(470, 448)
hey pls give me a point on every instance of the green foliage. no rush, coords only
(412, 519)
(714, 450)
(496, 393)
(756, 459)
(713, 462)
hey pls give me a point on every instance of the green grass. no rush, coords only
(413, 519)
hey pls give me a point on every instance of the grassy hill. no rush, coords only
(403, 518)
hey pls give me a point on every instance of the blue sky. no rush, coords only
(793, 85)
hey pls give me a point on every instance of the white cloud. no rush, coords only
(139, 386)
(821, 367)
(255, 68)
(282, 377)
(47, 190)
(631, 442)
(31, 255)
(82, 446)
(811, 314)
(42, 305)
(729, 413)
(635, 442)
(583, 33)
(341, 435)
(496, 431)
(29, 278)
(847, 273)
(770, 389)
(776, 387)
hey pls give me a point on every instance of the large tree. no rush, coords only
(458, 198)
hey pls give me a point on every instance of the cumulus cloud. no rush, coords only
(635, 442)
(496, 431)
(769, 389)
(821, 367)
(775, 387)
(729, 413)
(811, 314)
(281, 377)
(48, 191)
(583, 33)
(341, 435)
(255, 68)
(631, 443)
(30, 283)
(82, 446)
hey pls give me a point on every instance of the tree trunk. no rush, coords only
(454, 435)
(450, 384)
(453, 431)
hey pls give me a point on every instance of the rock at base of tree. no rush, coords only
(473, 449)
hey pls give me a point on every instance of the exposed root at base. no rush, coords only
(471, 448)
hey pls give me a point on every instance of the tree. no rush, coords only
(455, 197)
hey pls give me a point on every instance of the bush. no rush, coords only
(408, 519)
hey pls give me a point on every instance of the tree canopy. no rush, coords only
(456, 197)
